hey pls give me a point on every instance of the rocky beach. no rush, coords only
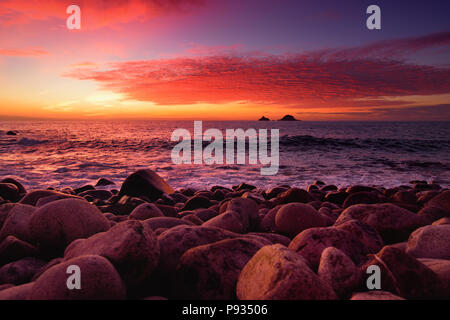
(141, 238)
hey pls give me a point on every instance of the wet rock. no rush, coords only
(393, 223)
(339, 271)
(56, 224)
(430, 213)
(404, 275)
(21, 271)
(104, 182)
(276, 273)
(32, 197)
(274, 192)
(16, 224)
(145, 183)
(211, 271)
(168, 211)
(99, 281)
(244, 186)
(205, 214)
(11, 133)
(293, 218)
(430, 242)
(84, 188)
(19, 186)
(359, 188)
(131, 246)
(375, 295)
(9, 191)
(57, 196)
(145, 211)
(193, 218)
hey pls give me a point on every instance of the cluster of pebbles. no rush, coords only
(149, 241)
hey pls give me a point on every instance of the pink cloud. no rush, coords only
(28, 52)
(95, 14)
(325, 77)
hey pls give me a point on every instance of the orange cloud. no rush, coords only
(321, 77)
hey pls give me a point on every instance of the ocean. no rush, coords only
(64, 153)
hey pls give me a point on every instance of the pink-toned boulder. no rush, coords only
(31, 198)
(99, 281)
(442, 269)
(293, 218)
(12, 249)
(145, 211)
(441, 221)
(16, 224)
(393, 223)
(311, 243)
(56, 224)
(21, 271)
(367, 235)
(131, 246)
(211, 271)
(375, 295)
(145, 183)
(430, 242)
(17, 292)
(442, 200)
(404, 275)
(228, 220)
(277, 273)
(339, 271)
(176, 241)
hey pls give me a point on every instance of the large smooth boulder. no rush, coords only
(177, 240)
(277, 273)
(33, 197)
(145, 182)
(131, 246)
(58, 223)
(146, 211)
(339, 271)
(229, 220)
(293, 195)
(16, 223)
(311, 243)
(99, 281)
(367, 234)
(404, 275)
(430, 242)
(211, 271)
(393, 223)
(293, 218)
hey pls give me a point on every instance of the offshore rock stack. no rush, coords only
(149, 241)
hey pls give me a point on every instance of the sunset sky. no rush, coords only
(225, 59)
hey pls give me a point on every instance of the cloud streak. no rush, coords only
(96, 14)
(27, 52)
(326, 76)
